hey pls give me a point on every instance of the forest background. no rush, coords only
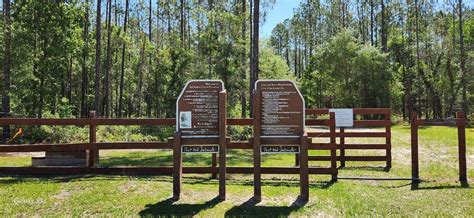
(131, 58)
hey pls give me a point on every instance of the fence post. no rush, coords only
(332, 129)
(414, 146)
(342, 150)
(177, 166)
(388, 140)
(214, 166)
(461, 123)
(6, 130)
(257, 171)
(304, 171)
(93, 153)
(297, 160)
(222, 144)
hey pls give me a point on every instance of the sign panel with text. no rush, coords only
(197, 108)
(281, 115)
(282, 109)
(280, 149)
(196, 149)
(344, 117)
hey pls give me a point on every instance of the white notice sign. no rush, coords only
(344, 117)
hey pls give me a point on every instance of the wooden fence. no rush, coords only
(345, 133)
(460, 122)
(93, 147)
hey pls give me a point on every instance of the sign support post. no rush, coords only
(461, 123)
(343, 151)
(177, 166)
(414, 148)
(257, 171)
(304, 169)
(222, 143)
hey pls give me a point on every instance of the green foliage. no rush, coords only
(346, 73)
(273, 66)
(53, 46)
(421, 41)
(54, 134)
(65, 109)
(46, 38)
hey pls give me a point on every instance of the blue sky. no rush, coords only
(282, 10)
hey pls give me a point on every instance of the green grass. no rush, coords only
(439, 194)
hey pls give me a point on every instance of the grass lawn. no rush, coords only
(439, 194)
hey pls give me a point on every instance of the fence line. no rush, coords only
(93, 147)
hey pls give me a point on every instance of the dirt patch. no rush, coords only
(22, 154)
(128, 186)
(64, 194)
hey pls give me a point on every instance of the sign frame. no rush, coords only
(219, 140)
(301, 140)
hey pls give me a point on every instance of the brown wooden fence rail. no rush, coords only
(343, 134)
(93, 147)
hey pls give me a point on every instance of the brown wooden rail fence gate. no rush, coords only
(370, 131)
(460, 122)
(201, 127)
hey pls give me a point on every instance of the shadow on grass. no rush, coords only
(400, 186)
(153, 160)
(234, 157)
(251, 209)
(416, 186)
(169, 208)
(192, 180)
(366, 168)
(265, 182)
(14, 179)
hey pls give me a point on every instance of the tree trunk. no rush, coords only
(69, 81)
(97, 58)
(296, 57)
(150, 21)
(41, 96)
(158, 29)
(417, 50)
(465, 105)
(383, 28)
(168, 15)
(148, 98)
(6, 66)
(140, 78)
(85, 53)
(106, 105)
(243, 97)
(454, 26)
(182, 24)
(122, 68)
(255, 53)
(372, 22)
(251, 57)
